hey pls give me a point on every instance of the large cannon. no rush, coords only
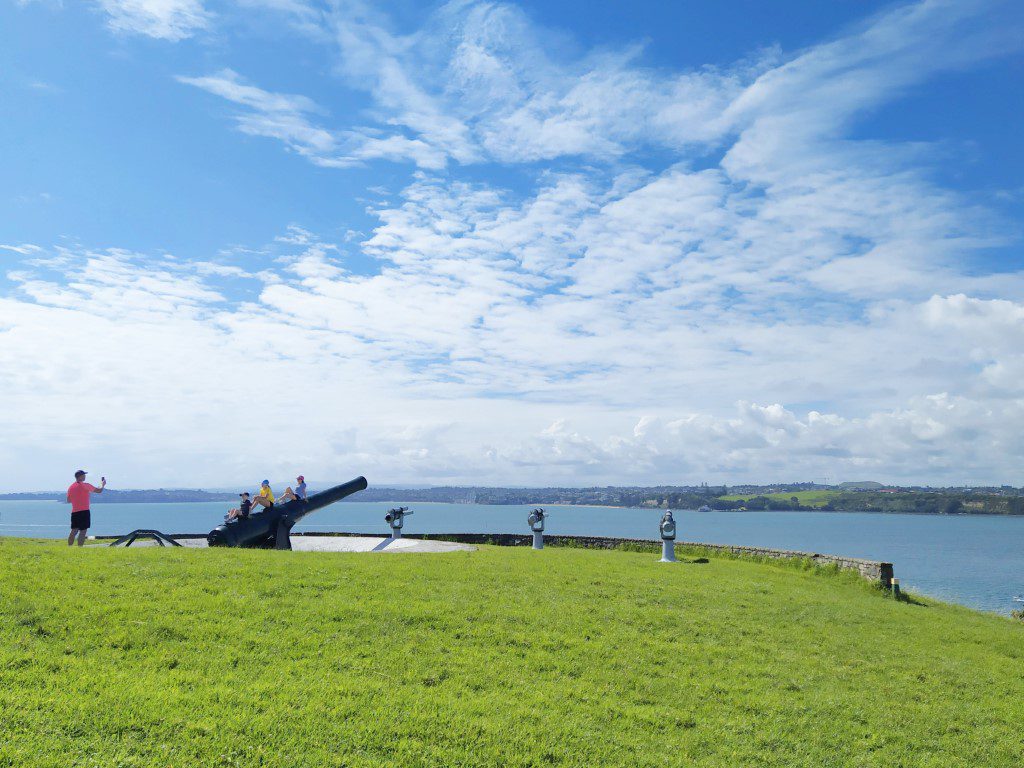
(269, 528)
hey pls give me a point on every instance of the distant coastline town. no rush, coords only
(844, 497)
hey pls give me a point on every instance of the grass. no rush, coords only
(499, 657)
(806, 498)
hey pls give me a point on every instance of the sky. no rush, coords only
(487, 243)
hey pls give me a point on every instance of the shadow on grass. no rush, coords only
(910, 599)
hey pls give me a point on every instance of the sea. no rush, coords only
(974, 560)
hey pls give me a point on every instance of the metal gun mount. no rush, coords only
(271, 528)
(536, 521)
(396, 519)
(667, 527)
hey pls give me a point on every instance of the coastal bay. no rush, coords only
(974, 560)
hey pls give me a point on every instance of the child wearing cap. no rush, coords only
(242, 510)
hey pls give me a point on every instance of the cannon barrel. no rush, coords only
(270, 528)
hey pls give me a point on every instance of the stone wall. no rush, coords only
(870, 569)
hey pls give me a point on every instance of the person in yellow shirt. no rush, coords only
(265, 498)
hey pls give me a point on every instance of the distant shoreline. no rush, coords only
(143, 497)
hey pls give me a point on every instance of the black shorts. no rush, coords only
(81, 520)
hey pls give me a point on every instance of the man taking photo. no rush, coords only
(78, 498)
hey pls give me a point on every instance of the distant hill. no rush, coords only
(864, 496)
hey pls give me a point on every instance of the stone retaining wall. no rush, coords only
(870, 569)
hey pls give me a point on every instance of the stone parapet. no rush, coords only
(872, 570)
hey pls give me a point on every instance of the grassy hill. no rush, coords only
(500, 657)
(912, 501)
(805, 498)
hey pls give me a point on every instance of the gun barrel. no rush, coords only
(261, 527)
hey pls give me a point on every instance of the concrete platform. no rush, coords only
(335, 544)
(373, 544)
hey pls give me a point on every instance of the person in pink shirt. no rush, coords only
(78, 498)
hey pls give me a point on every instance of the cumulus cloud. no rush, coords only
(472, 370)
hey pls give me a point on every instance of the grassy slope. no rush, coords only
(806, 498)
(155, 657)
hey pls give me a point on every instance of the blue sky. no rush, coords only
(512, 243)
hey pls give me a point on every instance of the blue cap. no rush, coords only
(265, 482)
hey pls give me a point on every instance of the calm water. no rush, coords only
(973, 560)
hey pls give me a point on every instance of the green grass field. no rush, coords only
(806, 498)
(499, 657)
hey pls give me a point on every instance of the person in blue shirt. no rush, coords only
(298, 493)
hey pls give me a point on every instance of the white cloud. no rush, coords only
(809, 305)
(287, 117)
(273, 115)
(792, 117)
(457, 363)
(164, 19)
(479, 82)
(492, 94)
(24, 249)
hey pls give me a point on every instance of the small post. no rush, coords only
(667, 527)
(396, 519)
(536, 521)
(896, 589)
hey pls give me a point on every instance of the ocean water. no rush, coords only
(977, 561)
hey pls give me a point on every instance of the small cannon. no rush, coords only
(667, 527)
(536, 521)
(396, 519)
